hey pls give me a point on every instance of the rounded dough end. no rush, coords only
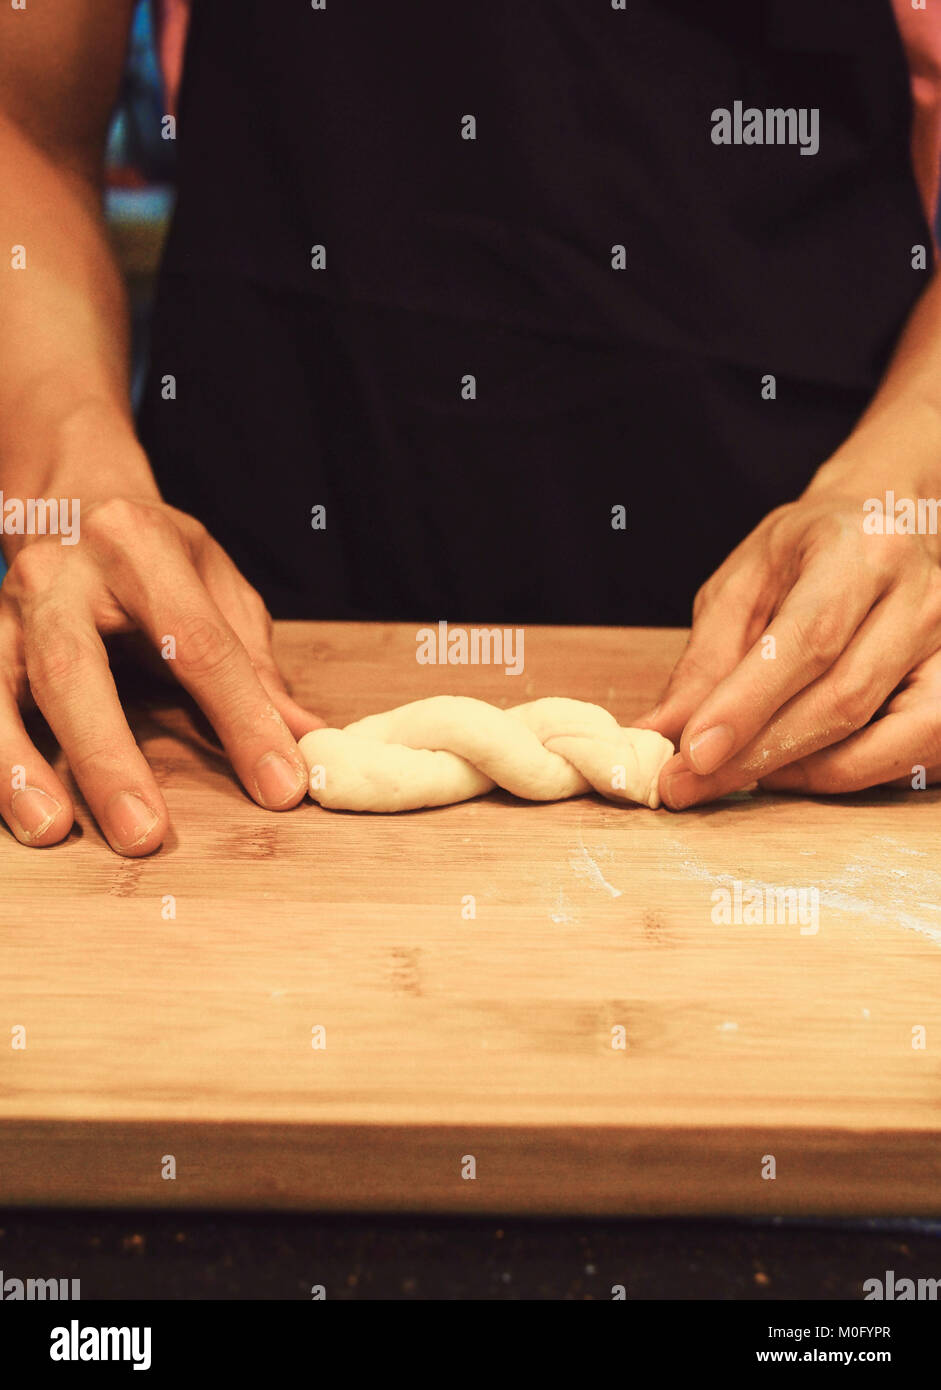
(351, 773)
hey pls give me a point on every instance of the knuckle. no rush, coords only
(695, 663)
(733, 588)
(820, 638)
(852, 705)
(197, 531)
(185, 521)
(91, 759)
(848, 773)
(33, 570)
(121, 518)
(258, 608)
(250, 720)
(202, 645)
(265, 669)
(702, 598)
(778, 529)
(891, 560)
(781, 515)
(57, 658)
(113, 517)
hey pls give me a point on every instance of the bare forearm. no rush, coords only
(65, 414)
(896, 444)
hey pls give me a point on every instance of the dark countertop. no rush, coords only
(220, 1255)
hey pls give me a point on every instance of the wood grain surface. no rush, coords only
(491, 1037)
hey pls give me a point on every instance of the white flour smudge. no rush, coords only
(584, 864)
(562, 913)
(833, 895)
(900, 849)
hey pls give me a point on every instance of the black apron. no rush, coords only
(348, 387)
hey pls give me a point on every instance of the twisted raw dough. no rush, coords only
(448, 748)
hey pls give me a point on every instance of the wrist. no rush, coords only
(893, 500)
(895, 446)
(855, 474)
(82, 453)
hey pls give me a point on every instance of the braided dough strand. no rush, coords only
(448, 748)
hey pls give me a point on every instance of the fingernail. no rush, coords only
(130, 819)
(680, 789)
(651, 714)
(34, 811)
(708, 749)
(277, 780)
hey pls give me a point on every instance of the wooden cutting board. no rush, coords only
(470, 1062)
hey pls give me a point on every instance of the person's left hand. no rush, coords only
(855, 620)
(906, 736)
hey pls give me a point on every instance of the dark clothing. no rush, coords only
(492, 257)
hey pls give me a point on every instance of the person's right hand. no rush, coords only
(139, 565)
